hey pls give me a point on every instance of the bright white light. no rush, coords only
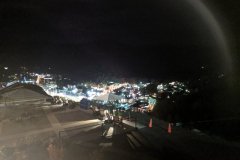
(74, 91)
(6, 68)
(110, 132)
(160, 87)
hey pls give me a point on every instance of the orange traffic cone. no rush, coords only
(169, 128)
(150, 123)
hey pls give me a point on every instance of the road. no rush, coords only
(56, 127)
(86, 139)
(188, 144)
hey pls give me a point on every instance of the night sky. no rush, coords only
(128, 38)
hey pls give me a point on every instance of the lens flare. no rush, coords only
(209, 18)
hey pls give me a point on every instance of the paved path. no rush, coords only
(84, 125)
(54, 122)
(133, 124)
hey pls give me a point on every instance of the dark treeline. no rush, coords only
(212, 106)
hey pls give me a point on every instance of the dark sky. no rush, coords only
(130, 38)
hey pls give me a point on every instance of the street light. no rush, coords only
(60, 138)
(136, 122)
(129, 114)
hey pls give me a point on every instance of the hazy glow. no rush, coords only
(211, 21)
